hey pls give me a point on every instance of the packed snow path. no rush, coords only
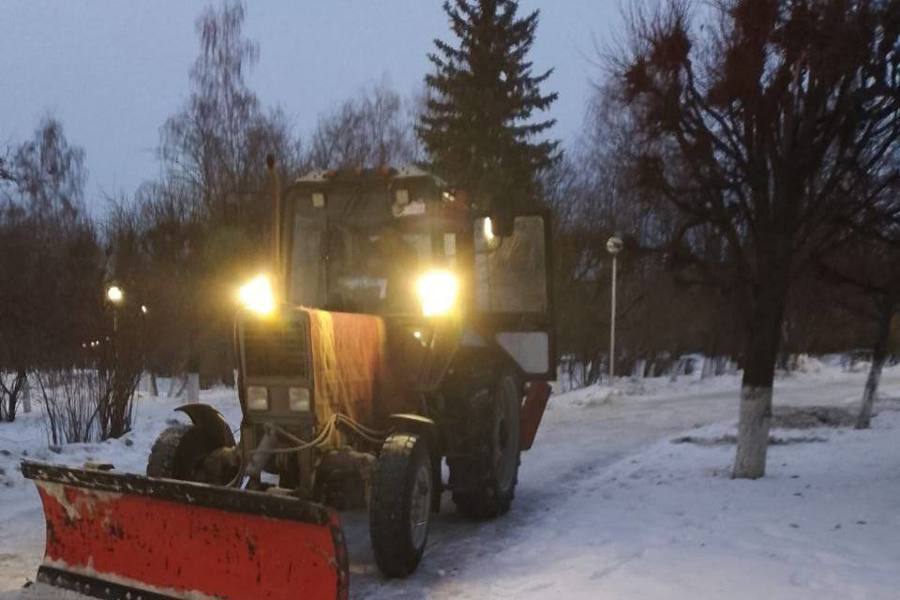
(607, 506)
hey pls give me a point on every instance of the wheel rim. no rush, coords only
(505, 442)
(420, 506)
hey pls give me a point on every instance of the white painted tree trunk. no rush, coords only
(677, 369)
(193, 388)
(879, 355)
(708, 367)
(753, 432)
(637, 372)
(870, 392)
(26, 396)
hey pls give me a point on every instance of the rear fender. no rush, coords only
(209, 419)
(531, 412)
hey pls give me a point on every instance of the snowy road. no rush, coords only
(579, 438)
(605, 505)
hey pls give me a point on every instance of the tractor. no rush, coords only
(398, 327)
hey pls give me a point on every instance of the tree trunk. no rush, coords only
(879, 355)
(759, 373)
(193, 388)
(708, 367)
(26, 395)
(20, 380)
(639, 368)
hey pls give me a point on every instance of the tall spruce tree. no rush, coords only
(482, 95)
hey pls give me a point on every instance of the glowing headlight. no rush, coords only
(256, 295)
(298, 399)
(437, 292)
(257, 398)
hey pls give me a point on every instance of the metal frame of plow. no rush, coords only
(118, 536)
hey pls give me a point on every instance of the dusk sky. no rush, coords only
(112, 72)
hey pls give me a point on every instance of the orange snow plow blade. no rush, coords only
(113, 535)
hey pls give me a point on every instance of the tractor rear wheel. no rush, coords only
(400, 507)
(189, 453)
(484, 480)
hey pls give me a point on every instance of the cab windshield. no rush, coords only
(344, 268)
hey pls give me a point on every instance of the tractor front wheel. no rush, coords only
(190, 453)
(400, 507)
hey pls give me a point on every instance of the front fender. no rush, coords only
(417, 424)
(211, 420)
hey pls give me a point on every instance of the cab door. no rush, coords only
(512, 296)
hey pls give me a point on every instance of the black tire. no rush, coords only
(400, 507)
(180, 452)
(484, 478)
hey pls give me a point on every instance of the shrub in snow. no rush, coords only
(85, 405)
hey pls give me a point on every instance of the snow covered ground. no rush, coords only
(607, 505)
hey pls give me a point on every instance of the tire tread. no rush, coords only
(388, 509)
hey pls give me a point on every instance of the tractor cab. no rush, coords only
(403, 245)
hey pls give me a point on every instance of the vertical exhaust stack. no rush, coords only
(277, 263)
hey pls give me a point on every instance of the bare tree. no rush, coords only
(215, 147)
(48, 174)
(207, 222)
(869, 264)
(48, 252)
(770, 123)
(371, 130)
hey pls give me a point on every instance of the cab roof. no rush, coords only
(323, 176)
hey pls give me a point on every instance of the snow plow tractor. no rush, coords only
(398, 328)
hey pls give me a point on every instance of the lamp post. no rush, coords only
(613, 246)
(115, 295)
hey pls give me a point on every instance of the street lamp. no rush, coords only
(613, 246)
(116, 296)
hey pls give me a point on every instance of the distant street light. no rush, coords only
(613, 246)
(144, 308)
(115, 294)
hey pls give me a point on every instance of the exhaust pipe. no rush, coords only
(277, 267)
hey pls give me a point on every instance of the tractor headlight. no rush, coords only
(298, 399)
(437, 292)
(257, 296)
(257, 397)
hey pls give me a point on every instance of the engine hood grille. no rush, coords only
(277, 347)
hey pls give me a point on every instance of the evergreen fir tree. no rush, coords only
(477, 125)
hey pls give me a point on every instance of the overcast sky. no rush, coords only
(113, 71)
